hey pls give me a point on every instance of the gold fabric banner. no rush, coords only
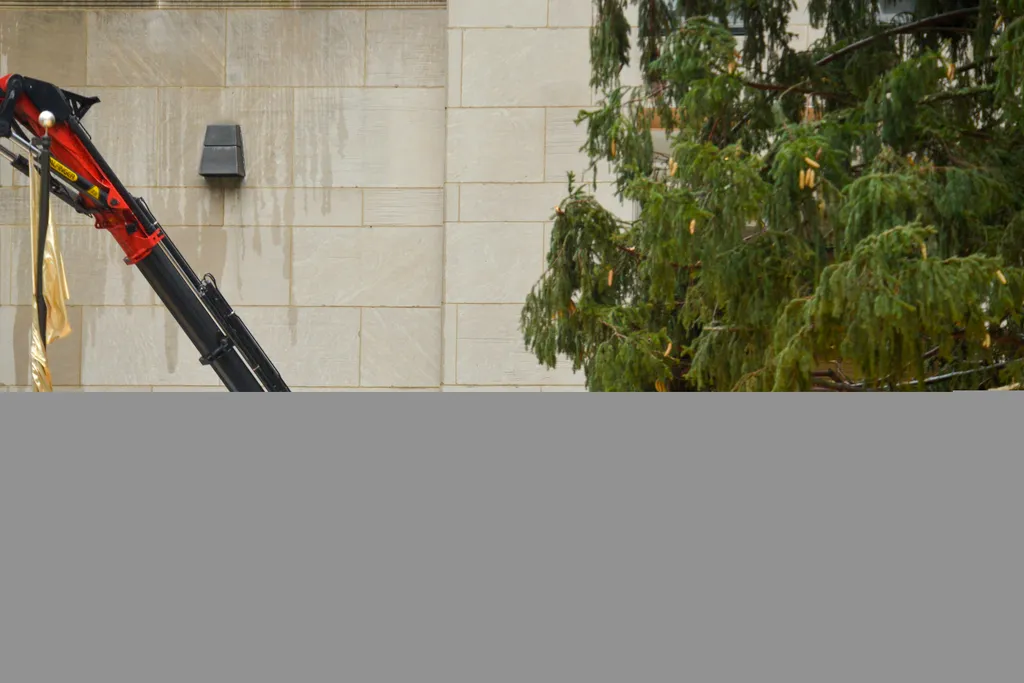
(54, 288)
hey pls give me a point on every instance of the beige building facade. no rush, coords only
(403, 161)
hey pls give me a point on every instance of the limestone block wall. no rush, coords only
(403, 166)
(518, 74)
(332, 247)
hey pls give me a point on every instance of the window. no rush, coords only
(736, 25)
(890, 10)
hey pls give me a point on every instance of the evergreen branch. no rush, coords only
(953, 94)
(640, 257)
(835, 374)
(714, 127)
(786, 89)
(726, 328)
(828, 380)
(746, 117)
(822, 381)
(615, 331)
(971, 66)
(1011, 341)
(625, 339)
(905, 28)
(657, 92)
(928, 381)
(928, 355)
(747, 377)
(631, 251)
(832, 385)
(954, 375)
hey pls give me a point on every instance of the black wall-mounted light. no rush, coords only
(223, 152)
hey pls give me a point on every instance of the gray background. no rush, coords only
(235, 539)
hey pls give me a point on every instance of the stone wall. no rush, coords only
(331, 249)
(403, 166)
(518, 73)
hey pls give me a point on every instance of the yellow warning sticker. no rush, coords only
(63, 170)
(94, 192)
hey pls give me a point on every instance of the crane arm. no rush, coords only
(80, 177)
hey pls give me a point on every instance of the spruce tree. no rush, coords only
(845, 218)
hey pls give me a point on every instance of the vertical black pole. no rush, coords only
(43, 201)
